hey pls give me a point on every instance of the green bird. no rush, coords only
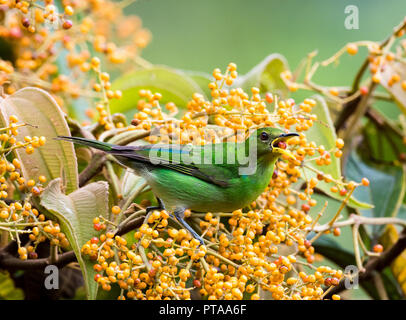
(217, 177)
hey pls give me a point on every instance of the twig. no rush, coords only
(361, 220)
(9, 262)
(357, 253)
(95, 166)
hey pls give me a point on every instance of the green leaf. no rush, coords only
(386, 190)
(202, 79)
(332, 250)
(76, 212)
(56, 158)
(395, 90)
(382, 142)
(7, 289)
(323, 133)
(266, 76)
(174, 85)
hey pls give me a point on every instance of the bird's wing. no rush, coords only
(198, 162)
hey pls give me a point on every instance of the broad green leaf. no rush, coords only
(386, 190)
(323, 133)
(382, 143)
(56, 158)
(76, 212)
(174, 85)
(395, 90)
(266, 76)
(202, 79)
(7, 289)
(333, 251)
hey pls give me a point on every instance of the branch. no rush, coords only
(94, 167)
(357, 219)
(8, 261)
(130, 225)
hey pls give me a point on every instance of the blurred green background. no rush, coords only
(203, 35)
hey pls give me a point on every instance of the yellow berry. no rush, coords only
(116, 209)
(29, 150)
(95, 62)
(13, 119)
(339, 143)
(352, 48)
(69, 10)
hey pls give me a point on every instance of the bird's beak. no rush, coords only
(276, 144)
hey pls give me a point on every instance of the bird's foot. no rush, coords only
(160, 206)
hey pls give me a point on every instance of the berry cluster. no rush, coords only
(20, 217)
(52, 42)
(244, 251)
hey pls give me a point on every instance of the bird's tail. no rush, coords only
(104, 146)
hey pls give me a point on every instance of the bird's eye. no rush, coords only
(264, 136)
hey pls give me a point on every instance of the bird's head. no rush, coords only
(273, 141)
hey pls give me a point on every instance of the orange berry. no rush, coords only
(352, 48)
(67, 24)
(351, 185)
(334, 92)
(116, 209)
(29, 150)
(365, 182)
(339, 143)
(376, 78)
(68, 10)
(364, 90)
(269, 97)
(95, 62)
(378, 248)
